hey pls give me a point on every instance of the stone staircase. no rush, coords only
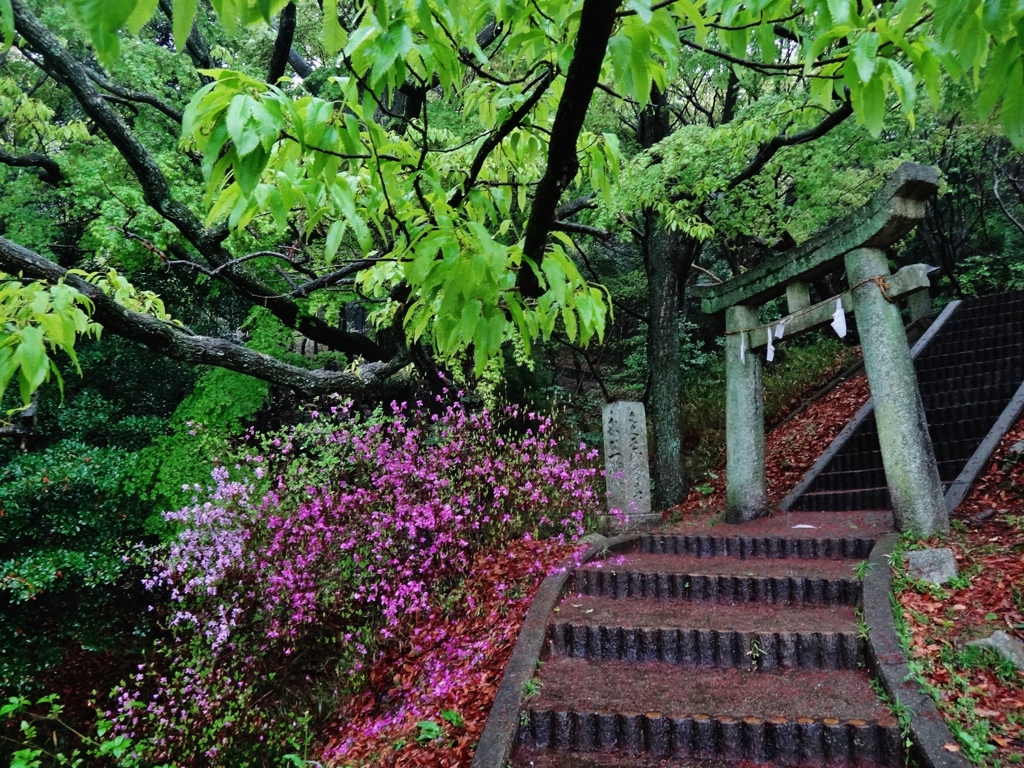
(732, 645)
(641, 670)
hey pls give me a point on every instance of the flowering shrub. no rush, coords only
(322, 542)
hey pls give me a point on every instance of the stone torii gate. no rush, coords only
(858, 242)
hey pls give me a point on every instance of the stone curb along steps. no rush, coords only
(635, 669)
(928, 731)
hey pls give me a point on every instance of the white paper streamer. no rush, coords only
(771, 348)
(839, 319)
(743, 348)
(779, 329)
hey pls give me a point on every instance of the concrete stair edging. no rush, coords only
(494, 750)
(928, 731)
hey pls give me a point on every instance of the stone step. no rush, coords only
(744, 547)
(745, 636)
(527, 757)
(661, 710)
(783, 535)
(720, 579)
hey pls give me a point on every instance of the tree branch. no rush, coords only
(172, 342)
(495, 139)
(1002, 205)
(135, 96)
(157, 194)
(596, 23)
(768, 151)
(283, 44)
(582, 229)
(51, 172)
(575, 206)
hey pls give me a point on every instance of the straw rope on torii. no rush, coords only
(856, 242)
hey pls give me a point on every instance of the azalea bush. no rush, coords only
(321, 544)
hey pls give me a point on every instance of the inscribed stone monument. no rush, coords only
(627, 473)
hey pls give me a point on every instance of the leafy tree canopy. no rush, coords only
(427, 157)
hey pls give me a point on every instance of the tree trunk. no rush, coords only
(664, 261)
(664, 395)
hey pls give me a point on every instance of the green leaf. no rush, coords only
(144, 10)
(904, 84)
(997, 75)
(569, 318)
(927, 66)
(821, 91)
(642, 8)
(34, 362)
(6, 24)
(54, 327)
(248, 169)
(840, 10)
(334, 36)
(872, 111)
(102, 19)
(765, 35)
(556, 277)
(693, 14)
(631, 60)
(181, 21)
(863, 52)
(334, 235)
(8, 367)
(468, 320)
(1012, 113)
(243, 131)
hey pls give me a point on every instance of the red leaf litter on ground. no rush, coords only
(452, 662)
(790, 448)
(988, 541)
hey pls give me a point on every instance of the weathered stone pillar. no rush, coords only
(626, 466)
(907, 453)
(745, 491)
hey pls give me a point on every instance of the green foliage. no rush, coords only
(429, 730)
(70, 543)
(127, 295)
(87, 750)
(201, 428)
(36, 320)
(453, 717)
(871, 51)
(267, 151)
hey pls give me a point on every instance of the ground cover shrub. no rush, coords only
(70, 558)
(321, 544)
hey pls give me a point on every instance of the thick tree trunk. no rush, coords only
(664, 260)
(664, 395)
